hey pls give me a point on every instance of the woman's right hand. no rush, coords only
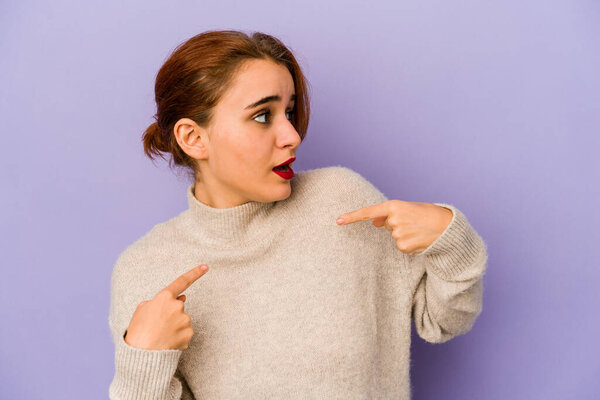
(161, 323)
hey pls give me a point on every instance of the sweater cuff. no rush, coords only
(456, 249)
(144, 374)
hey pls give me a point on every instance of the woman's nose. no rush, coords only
(289, 136)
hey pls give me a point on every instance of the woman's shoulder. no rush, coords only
(338, 183)
(323, 194)
(152, 246)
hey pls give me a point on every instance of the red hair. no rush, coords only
(198, 72)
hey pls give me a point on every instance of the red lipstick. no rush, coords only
(284, 169)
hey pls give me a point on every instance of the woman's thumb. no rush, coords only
(181, 297)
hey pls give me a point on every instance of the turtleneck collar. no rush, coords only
(227, 227)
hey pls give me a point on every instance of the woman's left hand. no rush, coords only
(414, 225)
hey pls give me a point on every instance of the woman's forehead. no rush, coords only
(257, 82)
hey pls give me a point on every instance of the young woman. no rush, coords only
(282, 300)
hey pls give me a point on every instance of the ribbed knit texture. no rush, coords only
(293, 306)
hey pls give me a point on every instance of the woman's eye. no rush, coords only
(263, 114)
(267, 113)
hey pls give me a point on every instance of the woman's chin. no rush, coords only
(283, 192)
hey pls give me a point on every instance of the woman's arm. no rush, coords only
(446, 281)
(144, 374)
(139, 373)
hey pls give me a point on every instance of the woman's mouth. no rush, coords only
(285, 171)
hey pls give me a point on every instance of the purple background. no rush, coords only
(494, 108)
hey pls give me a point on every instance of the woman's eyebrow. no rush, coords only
(268, 99)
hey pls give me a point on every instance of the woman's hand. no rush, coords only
(414, 225)
(161, 323)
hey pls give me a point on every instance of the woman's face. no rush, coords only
(245, 142)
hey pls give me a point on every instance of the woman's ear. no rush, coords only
(191, 138)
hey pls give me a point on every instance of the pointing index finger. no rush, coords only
(365, 213)
(185, 280)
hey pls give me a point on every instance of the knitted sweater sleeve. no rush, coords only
(446, 281)
(139, 373)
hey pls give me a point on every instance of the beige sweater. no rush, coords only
(293, 306)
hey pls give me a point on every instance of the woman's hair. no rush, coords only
(196, 75)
